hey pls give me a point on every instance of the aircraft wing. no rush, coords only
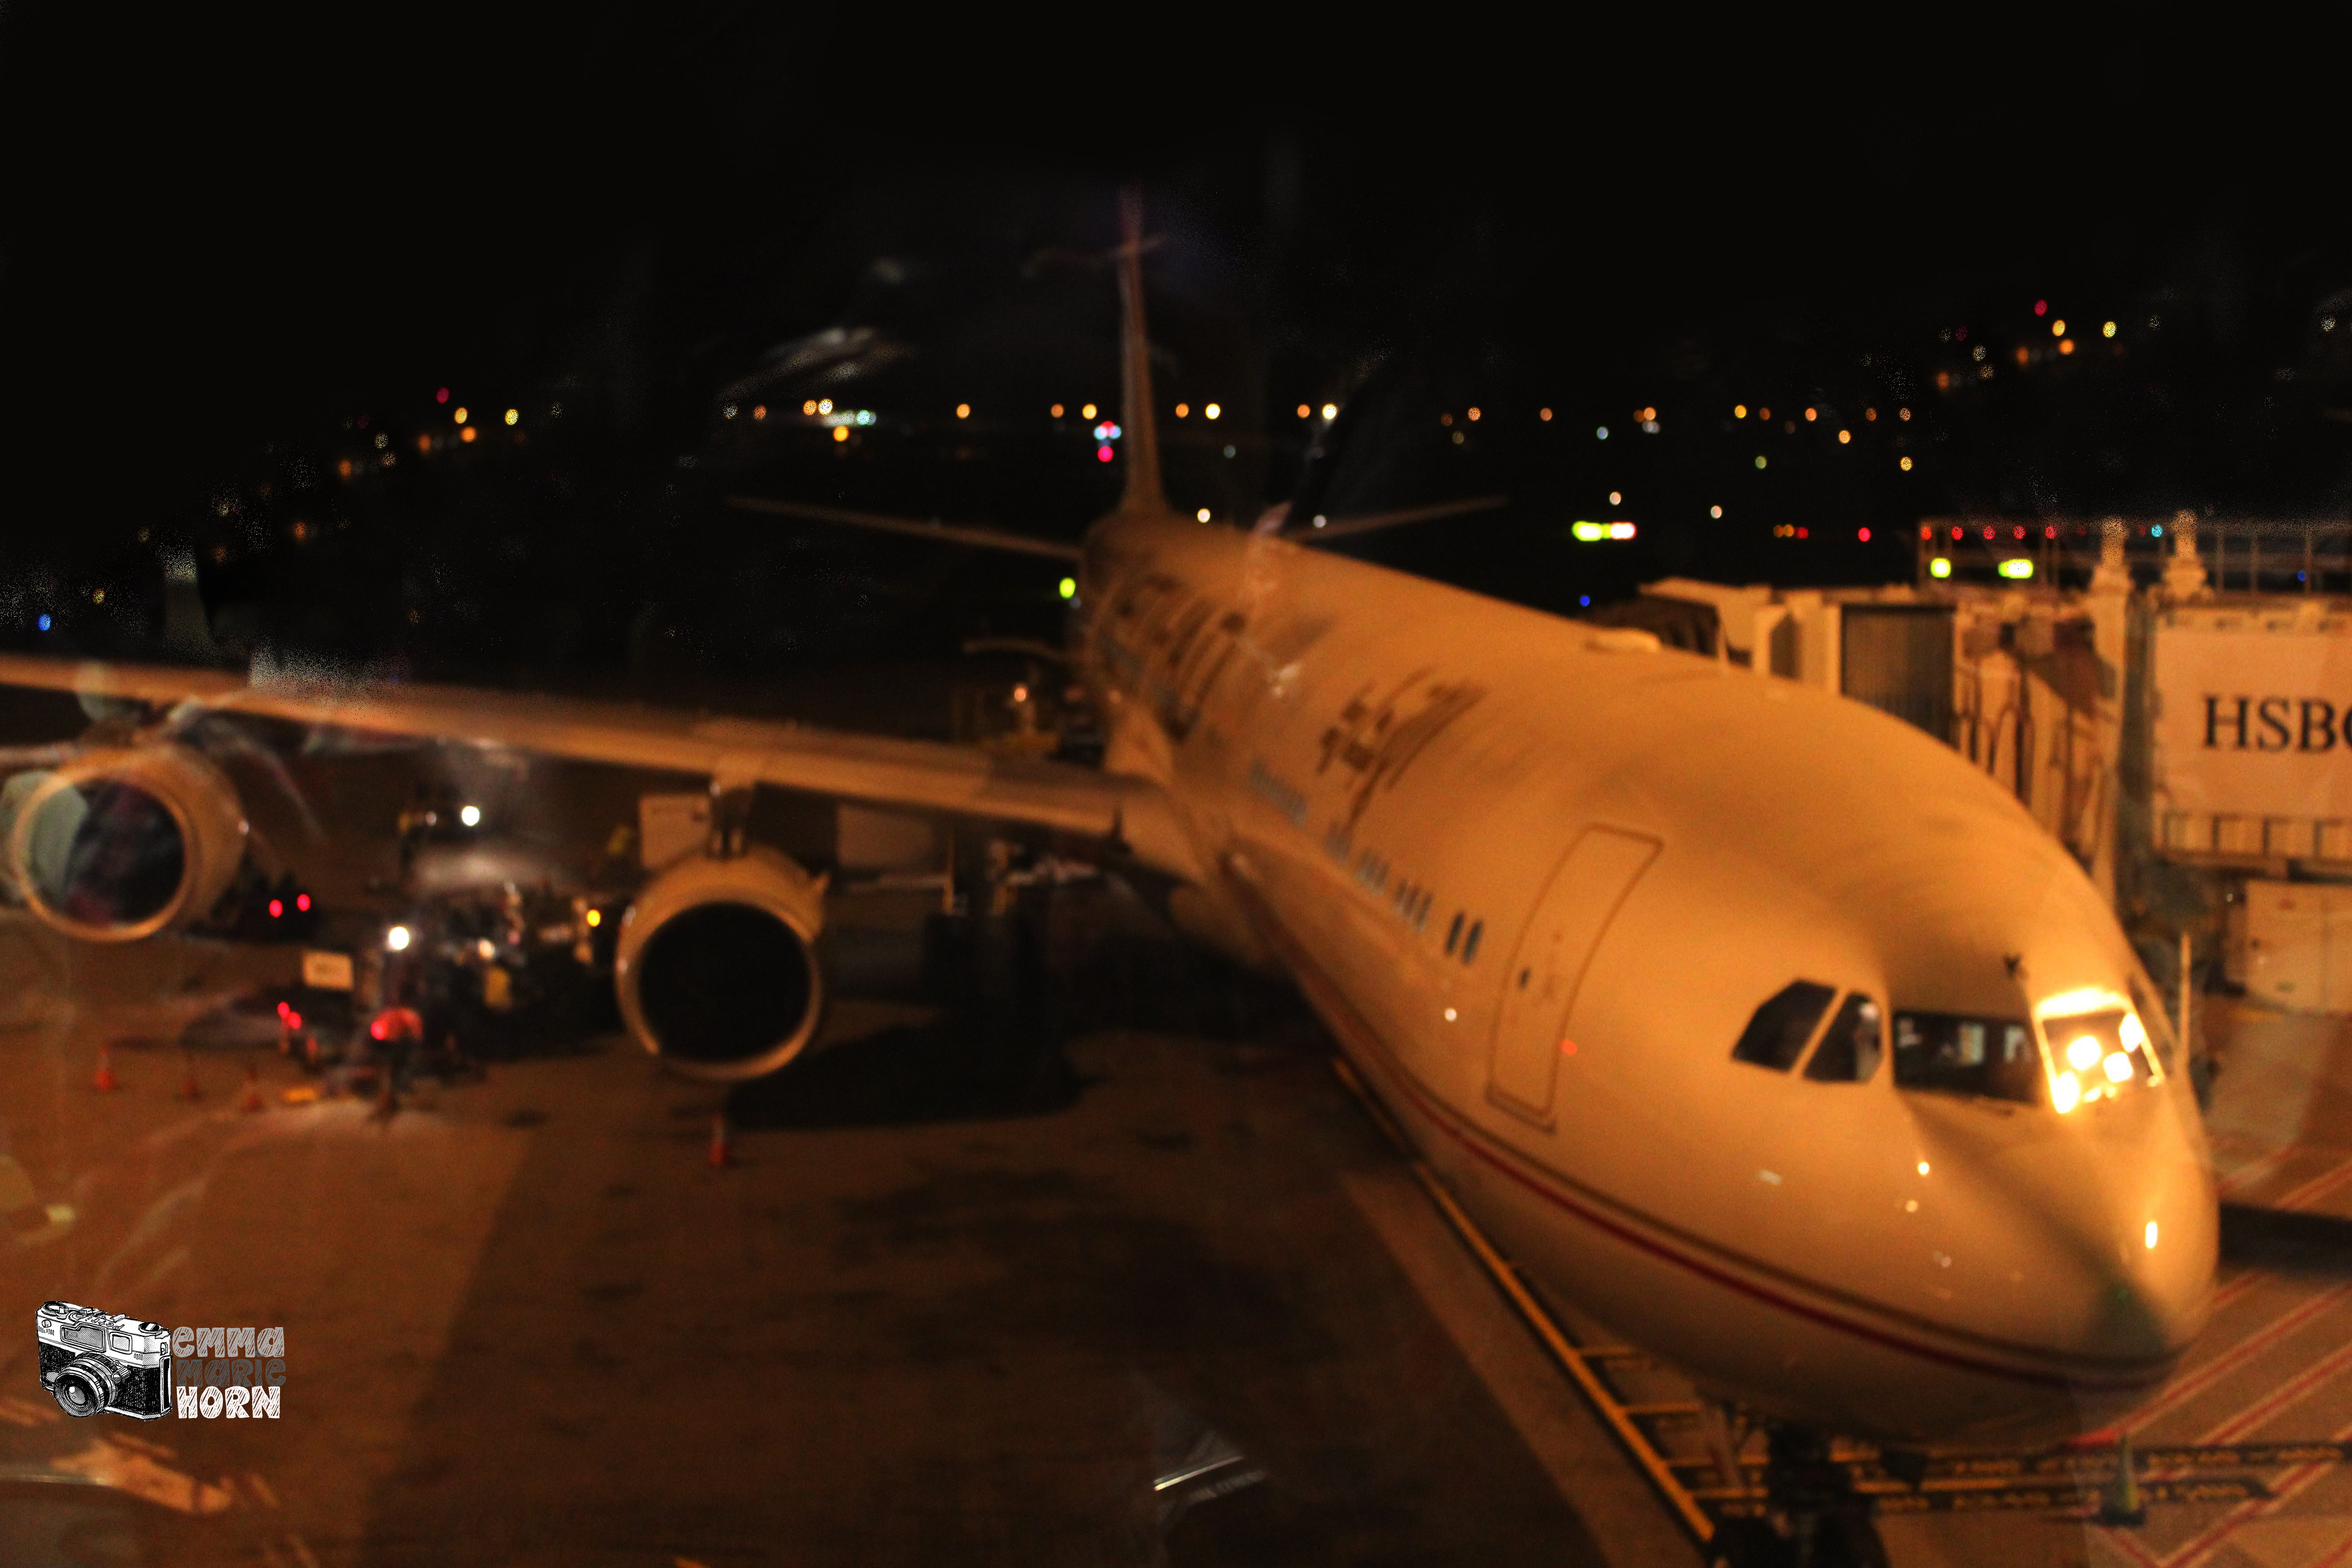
(917, 775)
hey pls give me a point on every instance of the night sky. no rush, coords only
(222, 238)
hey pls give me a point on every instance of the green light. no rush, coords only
(1586, 532)
(2019, 568)
(1069, 588)
(1941, 566)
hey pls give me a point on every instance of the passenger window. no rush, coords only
(1952, 1054)
(1453, 935)
(1470, 942)
(1849, 1051)
(1776, 1036)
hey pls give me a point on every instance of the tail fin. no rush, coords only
(1143, 492)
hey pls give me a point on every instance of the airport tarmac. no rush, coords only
(1160, 1296)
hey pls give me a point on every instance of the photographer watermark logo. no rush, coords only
(94, 1361)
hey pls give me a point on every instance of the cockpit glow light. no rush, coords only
(2066, 1092)
(2083, 1054)
(2150, 1238)
(2118, 1067)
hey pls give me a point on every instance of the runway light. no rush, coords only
(277, 909)
(1941, 566)
(397, 939)
(302, 902)
(2157, 531)
(2017, 569)
(485, 950)
(1760, 459)
(471, 815)
(825, 406)
(1863, 534)
(841, 433)
(460, 415)
(1306, 411)
(1069, 587)
(2149, 1236)
(1201, 515)
(1810, 415)
(1906, 464)
(1586, 532)
(1542, 413)
(515, 414)
(1616, 499)
(1331, 412)
(1844, 436)
(1715, 511)
(594, 918)
(2065, 1093)
(2107, 329)
(466, 435)
(1584, 598)
(1871, 415)
(1183, 409)
(1620, 531)
(2042, 307)
(2058, 329)
(1474, 416)
(2117, 1067)
(759, 411)
(1087, 412)
(1211, 412)
(1102, 454)
(1602, 432)
(963, 410)
(1739, 411)
(2066, 345)
(1056, 411)
(809, 407)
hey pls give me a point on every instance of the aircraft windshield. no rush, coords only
(1950, 1053)
(2095, 1055)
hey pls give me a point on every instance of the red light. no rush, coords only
(1804, 533)
(2042, 307)
(2048, 533)
(1102, 453)
(376, 1029)
(441, 396)
(1927, 533)
(1956, 533)
(276, 908)
(1988, 533)
(2017, 534)
(302, 902)
(293, 1020)
(283, 1009)
(1864, 536)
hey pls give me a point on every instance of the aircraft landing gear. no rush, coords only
(1812, 1517)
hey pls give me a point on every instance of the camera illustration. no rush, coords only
(93, 1360)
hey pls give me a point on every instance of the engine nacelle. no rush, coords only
(716, 964)
(117, 845)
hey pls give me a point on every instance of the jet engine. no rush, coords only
(716, 964)
(119, 844)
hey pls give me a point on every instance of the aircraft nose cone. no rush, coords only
(2143, 1238)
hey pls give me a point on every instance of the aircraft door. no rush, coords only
(1539, 987)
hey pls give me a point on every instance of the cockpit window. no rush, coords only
(2096, 1054)
(2152, 1018)
(1776, 1036)
(1851, 1045)
(1953, 1054)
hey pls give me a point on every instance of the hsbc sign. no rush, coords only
(2252, 716)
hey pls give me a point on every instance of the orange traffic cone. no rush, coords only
(188, 1089)
(107, 1083)
(722, 1156)
(251, 1098)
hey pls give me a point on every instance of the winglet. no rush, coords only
(1143, 492)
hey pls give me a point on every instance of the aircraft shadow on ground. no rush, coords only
(2285, 1241)
(951, 1070)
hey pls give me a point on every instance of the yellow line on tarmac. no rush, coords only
(1565, 1351)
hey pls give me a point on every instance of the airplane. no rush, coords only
(1752, 1021)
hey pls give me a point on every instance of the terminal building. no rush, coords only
(2170, 698)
